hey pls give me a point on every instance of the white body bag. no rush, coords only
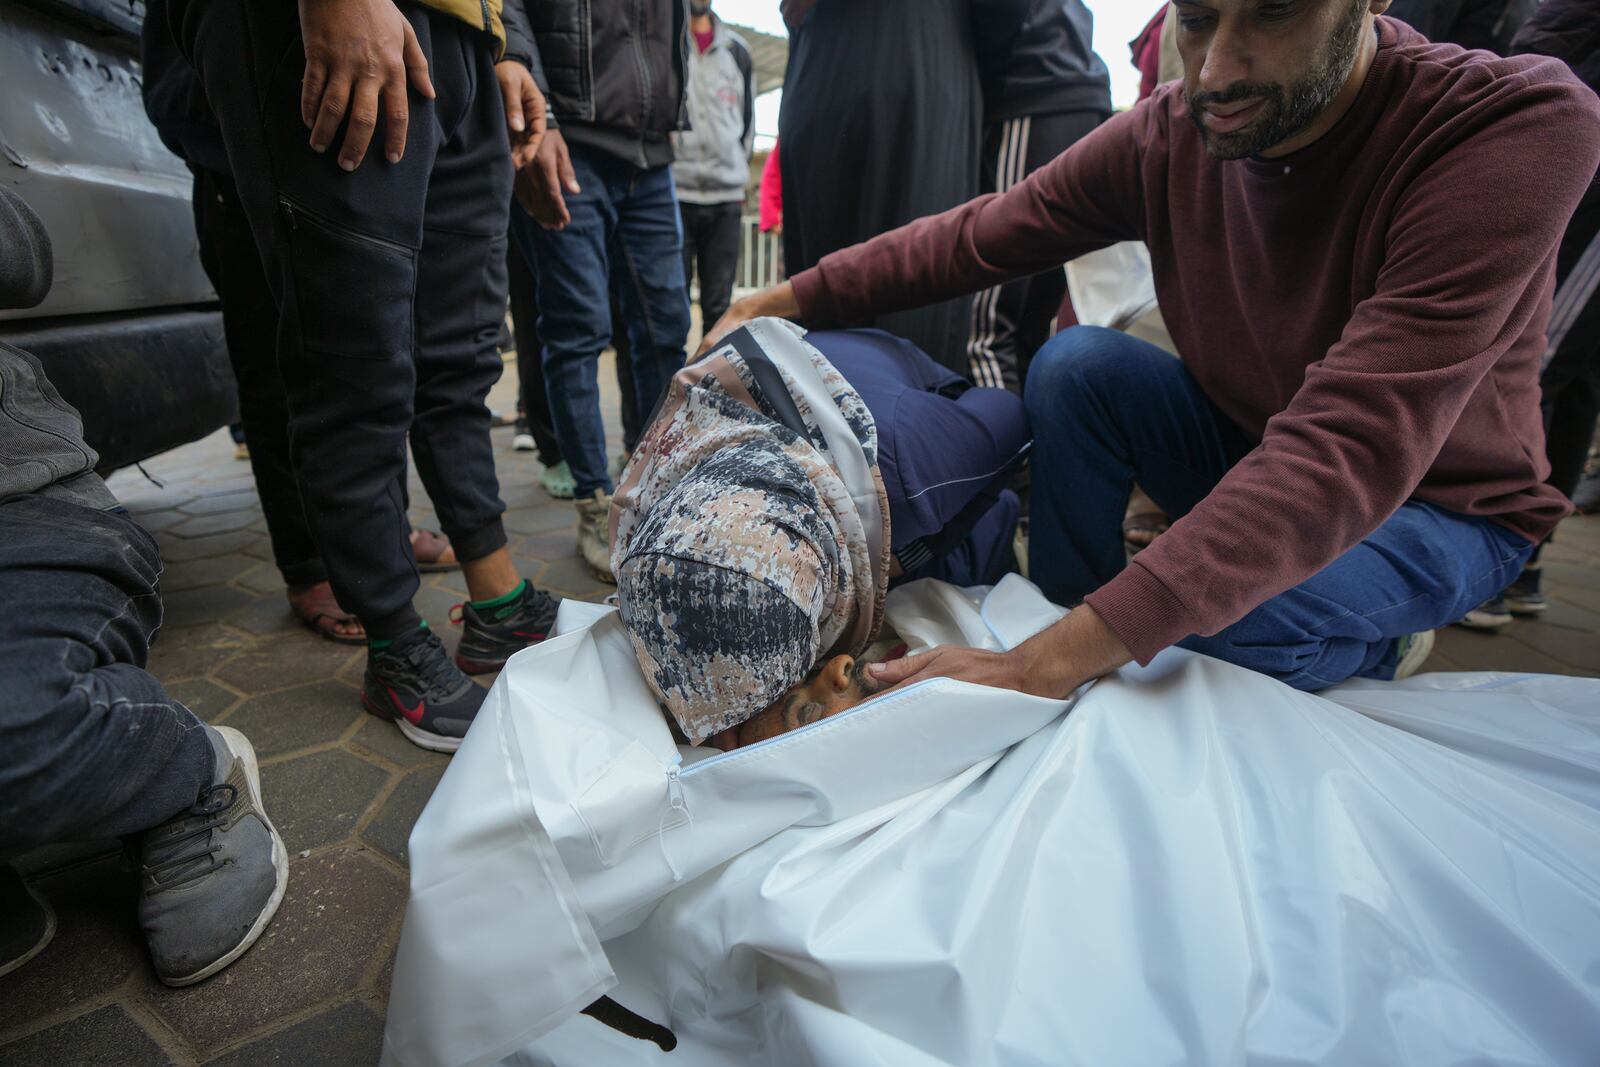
(1196, 865)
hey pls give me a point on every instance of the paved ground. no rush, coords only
(345, 788)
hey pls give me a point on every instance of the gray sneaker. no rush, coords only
(212, 876)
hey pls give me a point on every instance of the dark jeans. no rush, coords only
(390, 287)
(250, 323)
(1108, 410)
(624, 236)
(90, 744)
(1011, 321)
(711, 240)
(533, 400)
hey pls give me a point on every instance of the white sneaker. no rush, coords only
(1414, 650)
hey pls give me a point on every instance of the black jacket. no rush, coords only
(1487, 24)
(1568, 30)
(1034, 58)
(611, 70)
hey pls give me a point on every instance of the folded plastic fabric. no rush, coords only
(1196, 865)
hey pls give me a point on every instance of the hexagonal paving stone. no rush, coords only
(340, 912)
(201, 525)
(158, 520)
(554, 545)
(180, 576)
(205, 604)
(539, 519)
(218, 503)
(1493, 652)
(297, 718)
(392, 826)
(262, 578)
(351, 1033)
(179, 549)
(318, 799)
(291, 658)
(204, 697)
(181, 652)
(572, 577)
(108, 1036)
(383, 739)
(97, 946)
(267, 614)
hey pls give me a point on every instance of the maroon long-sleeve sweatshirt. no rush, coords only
(1371, 308)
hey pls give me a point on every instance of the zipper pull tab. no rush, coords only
(675, 802)
(675, 792)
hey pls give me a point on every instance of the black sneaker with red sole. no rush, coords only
(413, 683)
(491, 636)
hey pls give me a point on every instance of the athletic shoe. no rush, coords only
(1491, 616)
(557, 481)
(29, 921)
(414, 683)
(522, 437)
(1523, 596)
(490, 636)
(1414, 650)
(213, 875)
(594, 534)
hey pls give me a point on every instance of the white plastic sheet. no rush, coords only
(1196, 865)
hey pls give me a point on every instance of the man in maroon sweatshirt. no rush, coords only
(1353, 232)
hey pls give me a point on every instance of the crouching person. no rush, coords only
(90, 744)
(783, 486)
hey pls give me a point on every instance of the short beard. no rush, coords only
(1286, 111)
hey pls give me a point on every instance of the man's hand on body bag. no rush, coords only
(1051, 663)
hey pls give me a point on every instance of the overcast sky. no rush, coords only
(1116, 22)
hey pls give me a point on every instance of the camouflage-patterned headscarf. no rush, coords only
(741, 559)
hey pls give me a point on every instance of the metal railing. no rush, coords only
(760, 257)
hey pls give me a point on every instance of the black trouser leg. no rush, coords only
(250, 323)
(341, 254)
(1011, 322)
(461, 301)
(90, 744)
(1571, 382)
(535, 404)
(624, 350)
(716, 252)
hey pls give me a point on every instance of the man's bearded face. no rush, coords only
(1250, 117)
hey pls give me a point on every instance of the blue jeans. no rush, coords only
(1108, 410)
(625, 235)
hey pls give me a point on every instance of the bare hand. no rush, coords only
(778, 301)
(542, 183)
(1051, 663)
(998, 670)
(525, 110)
(360, 54)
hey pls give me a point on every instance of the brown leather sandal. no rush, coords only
(433, 551)
(318, 609)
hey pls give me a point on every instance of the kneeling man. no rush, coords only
(1354, 233)
(782, 486)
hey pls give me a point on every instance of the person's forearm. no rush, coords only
(1059, 659)
(777, 301)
